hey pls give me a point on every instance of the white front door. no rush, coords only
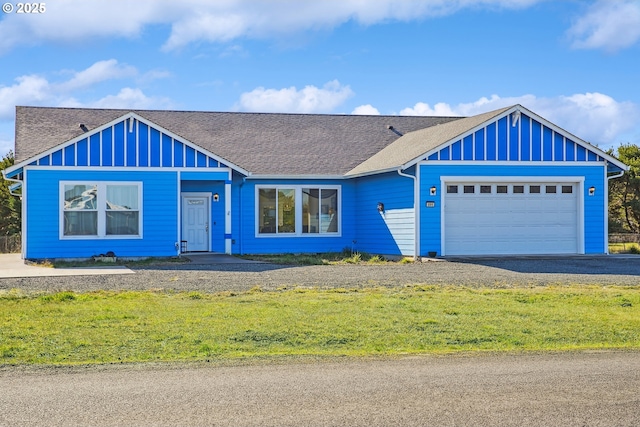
(195, 223)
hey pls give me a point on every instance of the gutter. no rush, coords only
(416, 246)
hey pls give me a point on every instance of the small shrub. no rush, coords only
(59, 297)
(634, 250)
(354, 259)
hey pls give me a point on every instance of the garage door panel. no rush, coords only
(516, 220)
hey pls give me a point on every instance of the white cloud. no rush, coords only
(608, 25)
(29, 89)
(131, 98)
(38, 90)
(217, 21)
(310, 99)
(594, 117)
(366, 110)
(5, 146)
(96, 73)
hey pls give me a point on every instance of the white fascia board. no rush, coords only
(525, 163)
(128, 169)
(376, 172)
(304, 177)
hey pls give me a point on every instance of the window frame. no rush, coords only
(298, 210)
(101, 198)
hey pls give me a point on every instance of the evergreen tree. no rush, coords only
(10, 206)
(624, 193)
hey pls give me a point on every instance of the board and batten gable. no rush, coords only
(129, 141)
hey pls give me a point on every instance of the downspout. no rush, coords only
(16, 181)
(244, 178)
(415, 211)
(606, 204)
(23, 212)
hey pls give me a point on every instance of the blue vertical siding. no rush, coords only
(594, 206)
(94, 150)
(143, 145)
(536, 141)
(525, 138)
(132, 146)
(107, 147)
(479, 145)
(82, 152)
(56, 158)
(528, 141)
(118, 131)
(513, 140)
(502, 139)
(155, 148)
(159, 190)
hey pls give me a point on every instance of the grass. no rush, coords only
(624, 248)
(143, 262)
(328, 258)
(112, 327)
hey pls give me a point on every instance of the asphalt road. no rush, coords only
(565, 389)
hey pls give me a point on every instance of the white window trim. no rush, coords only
(102, 190)
(298, 211)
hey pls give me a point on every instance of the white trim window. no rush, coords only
(100, 209)
(297, 210)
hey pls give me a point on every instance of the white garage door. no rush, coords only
(510, 218)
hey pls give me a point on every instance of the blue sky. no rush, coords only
(576, 63)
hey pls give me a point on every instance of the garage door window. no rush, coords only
(518, 189)
(534, 189)
(567, 189)
(550, 189)
(452, 189)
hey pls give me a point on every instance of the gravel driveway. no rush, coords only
(501, 273)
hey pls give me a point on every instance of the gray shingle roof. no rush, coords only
(262, 143)
(416, 143)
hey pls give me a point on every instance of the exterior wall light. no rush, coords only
(380, 207)
(432, 190)
(216, 197)
(592, 190)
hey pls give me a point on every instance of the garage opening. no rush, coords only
(504, 218)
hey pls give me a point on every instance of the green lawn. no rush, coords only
(112, 327)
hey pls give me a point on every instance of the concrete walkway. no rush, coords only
(13, 266)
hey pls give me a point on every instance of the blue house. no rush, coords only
(160, 183)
